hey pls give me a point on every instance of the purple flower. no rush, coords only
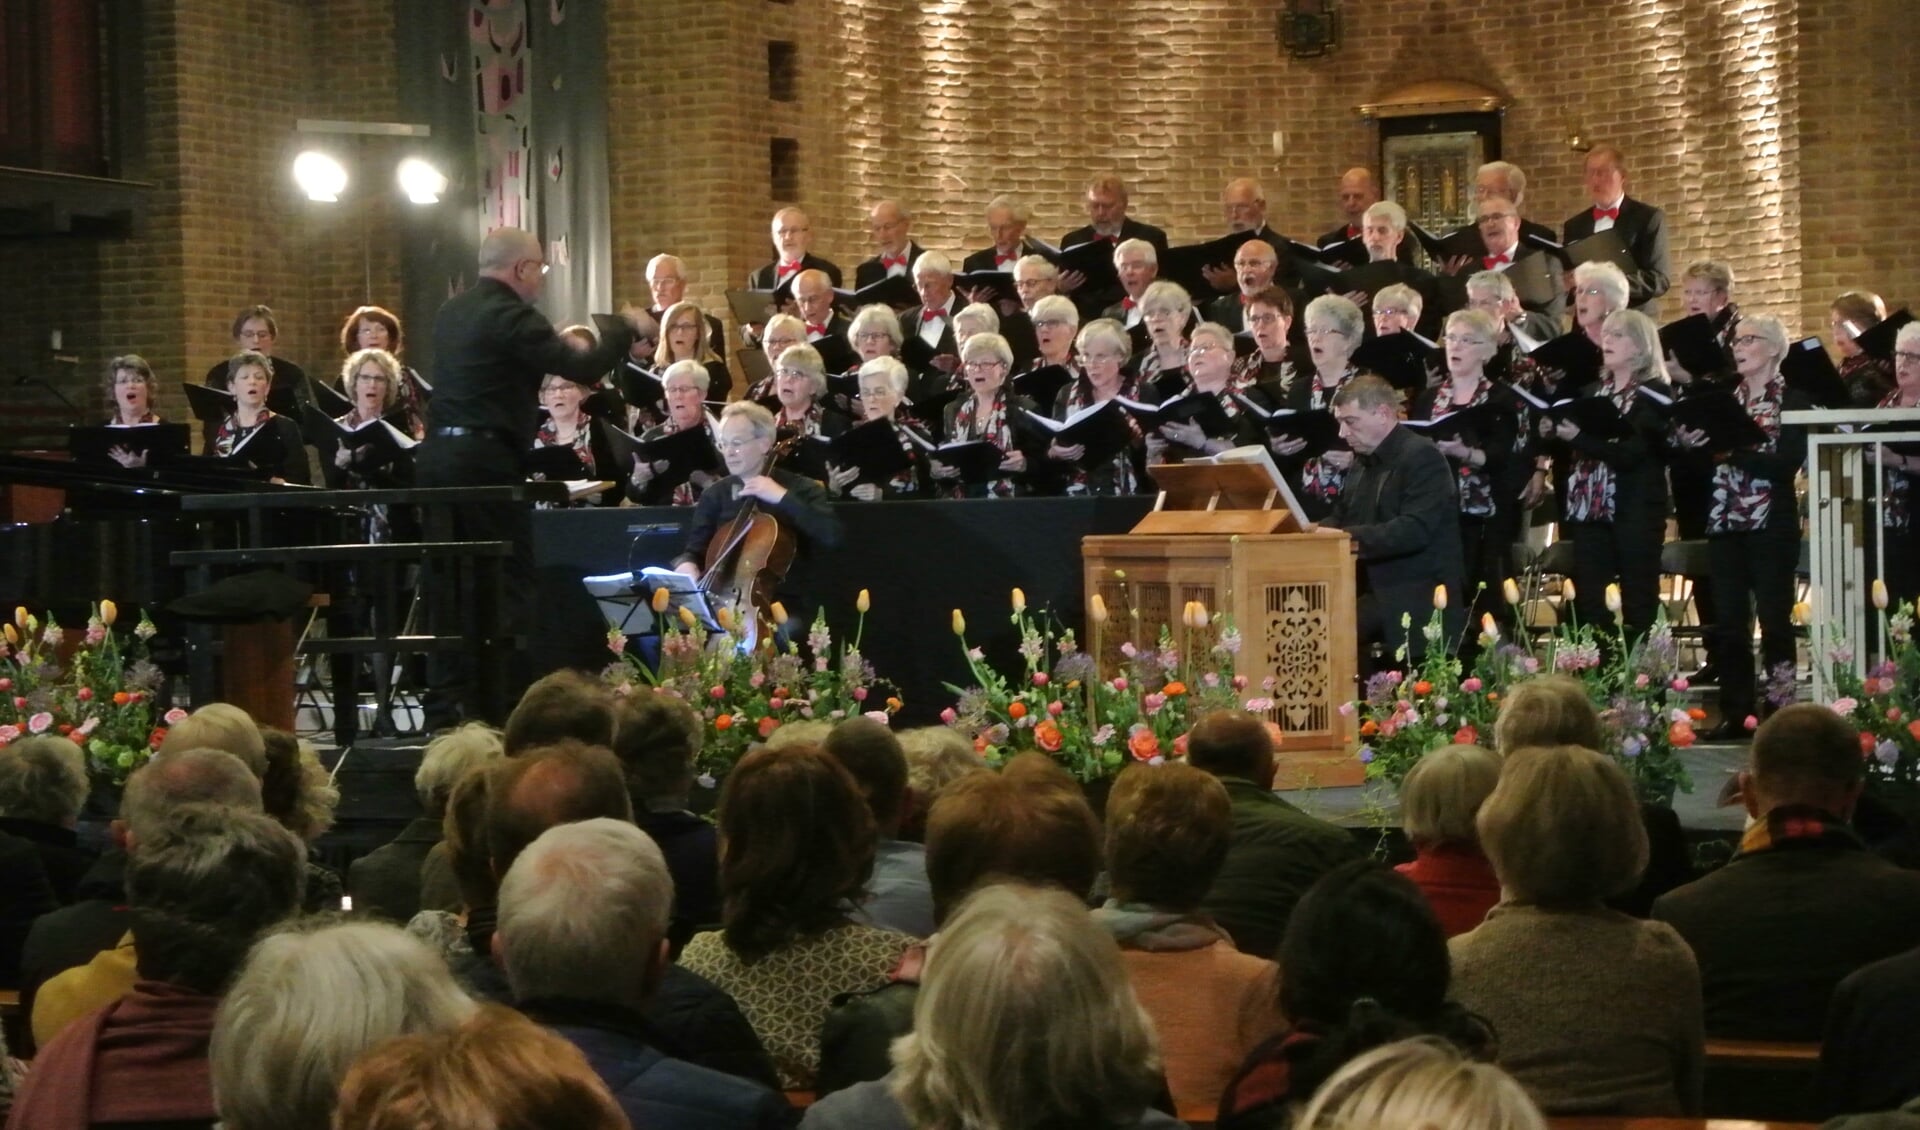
(1366, 754)
(1886, 753)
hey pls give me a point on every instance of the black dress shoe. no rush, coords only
(1707, 675)
(1727, 731)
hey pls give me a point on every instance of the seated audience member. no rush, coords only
(1556, 710)
(1364, 963)
(43, 787)
(1420, 1082)
(1803, 902)
(796, 851)
(202, 887)
(898, 895)
(560, 706)
(1167, 830)
(388, 881)
(463, 847)
(498, 1070)
(81, 957)
(1438, 801)
(1276, 851)
(1026, 1018)
(656, 740)
(811, 731)
(937, 756)
(297, 791)
(1866, 1052)
(582, 936)
(218, 725)
(310, 1000)
(1028, 823)
(25, 896)
(1598, 1013)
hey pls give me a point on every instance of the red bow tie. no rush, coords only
(1246, 300)
(785, 269)
(889, 262)
(999, 258)
(816, 328)
(932, 315)
(1126, 304)
(1492, 261)
(1106, 238)
(1353, 232)
(1606, 213)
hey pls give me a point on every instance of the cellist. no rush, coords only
(800, 504)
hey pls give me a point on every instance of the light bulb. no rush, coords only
(319, 176)
(422, 183)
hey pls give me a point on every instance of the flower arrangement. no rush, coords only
(103, 698)
(1883, 704)
(744, 694)
(1437, 702)
(1061, 705)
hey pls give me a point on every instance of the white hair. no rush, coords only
(990, 344)
(1107, 331)
(1403, 294)
(1420, 1082)
(1035, 266)
(890, 368)
(1509, 172)
(1164, 294)
(786, 324)
(1025, 1017)
(933, 261)
(1138, 247)
(43, 779)
(1495, 283)
(1908, 339)
(1058, 307)
(449, 756)
(1012, 206)
(1214, 332)
(665, 259)
(1387, 210)
(875, 317)
(582, 911)
(977, 317)
(1337, 312)
(690, 368)
(308, 1002)
(1606, 278)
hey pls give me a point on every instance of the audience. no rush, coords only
(898, 895)
(26, 899)
(1438, 802)
(202, 886)
(936, 757)
(1803, 902)
(1276, 851)
(582, 936)
(1028, 823)
(557, 707)
(223, 727)
(656, 740)
(297, 791)
(1026, 1018)
(81, 957)
(389, 882)
(43, 787)
(1167, 829)
(1422, 1082)
(311, 999)
(1598, 1013)
(1364, 962)
(498, 1071)
(1867, 1060)
(796, 851)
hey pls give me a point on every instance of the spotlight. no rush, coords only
(319, 176)
(422, 183)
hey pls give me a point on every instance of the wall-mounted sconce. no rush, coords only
(1308, 29)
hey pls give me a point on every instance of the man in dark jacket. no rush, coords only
(1803, 903)
(1641, 226)
(582, 934)
(1400, 507)
(1276, 851)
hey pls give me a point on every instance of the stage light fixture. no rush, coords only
(319, 176)
(422, 183)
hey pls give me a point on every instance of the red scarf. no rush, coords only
(142, 1058)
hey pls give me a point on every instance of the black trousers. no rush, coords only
(454, 689)
(1625, 551)
(1755, 571)
(1902, 548)
(1692, 498)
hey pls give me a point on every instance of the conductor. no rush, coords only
(490, 350)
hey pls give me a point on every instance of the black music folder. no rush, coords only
(1594, 415)
(561, 464)
(1187, 263)
(1696, 345)
(1572, 355)
(263, 450)
(1189, 407)
(1715, 412)
(1476, 421)
(871, 447)
(330, 405)
(1341, 254)
(894, 292)
(214, 405)
(998, 285)
(155, 443)
(1403, 359)
(1808, 368)
(1043, 383)
(1600, 247)
(754, 307)
(1370, 278)
(1316, 426)
(641, 386)
(684, 452)
(1461, 241)
(1100, 428)
(1094, 259)
(1877, 341)
(977, 460)
(383, 442)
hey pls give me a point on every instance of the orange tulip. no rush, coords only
(1017, 710)
(1174, 689)
(1423, 687)
(724, 722)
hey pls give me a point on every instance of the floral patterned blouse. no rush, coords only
(582, 443)
(1317, 477)
(807, 425)
(1591, 486)
(993, 427)
(1476, 485)
(230, 434)
(1896, 499)
(1117, 477)
(685, 494)
(1741, 501)
(149, 418)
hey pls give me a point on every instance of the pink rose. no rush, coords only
(39, 723)
(1471, 685)
(948, 716)
(1679, 684)
(879, 716)
(1039, 678)
(716, 692)
(1120, 684)
(1055, 707)
(859, 694)
(174, 717)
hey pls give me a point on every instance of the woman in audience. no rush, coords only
(1479, 455)
(984, 414)
(800, 385)
(1165, 310)
(1753, 522)
(883, 392)
(464, 937)
(937, 756)
(1900, 534)
(309, 1001)
(410, 873)
(656, 738)
(1438, 802)
(1420, 1082)
(1210, 373)
(685, 336)
(498, 1070)
(1167, 832)
(298, 792)
(249, 378)
(568, 426)
(685, 383)
(1025, 1018)
(1269, 369)
(373, 327)
(43, 789)
(1363, 963)
(1868, 378)
(1098, 377)
(222, 726)
(796, 851)
(1335, 328)
(1598, 1013)
(783, 332)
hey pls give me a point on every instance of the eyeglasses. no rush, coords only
(738, 444)
(1199, 347)
(1325, 331)
(873, 335)
(988, 364)
(1465, 339)
(1494, 218)
(1392, 312)
(1263, 319)
(1748, 339)
(1102, 357)
(1052, 324)
(1909, 358)
(793, 374)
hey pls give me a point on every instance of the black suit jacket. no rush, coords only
(1130, 228)
(25, 894)
(870, 271)
(1873, 1025)
(1403, 512)
(914, 351)
(836, 352)
(490, 350)
(983, 260)
(763, 278)
(1340, 235)
(1644, 230)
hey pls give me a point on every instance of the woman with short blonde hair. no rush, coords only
(1439, 801)
(985, 413)
(1422, 1082)
(1165, 310)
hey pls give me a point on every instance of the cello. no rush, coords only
(747, 558)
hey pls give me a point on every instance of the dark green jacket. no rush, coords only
(1276, 853)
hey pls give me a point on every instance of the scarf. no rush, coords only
(1798, 826)
(141, 1059)
(1136, 925)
